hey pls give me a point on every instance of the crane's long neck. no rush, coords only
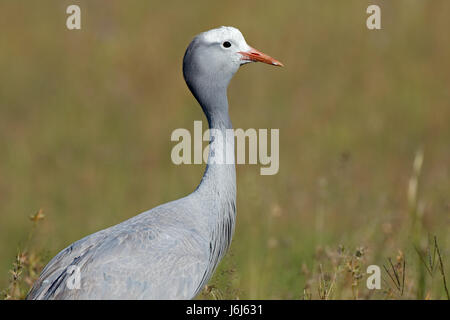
(217, 190)
(219, 179)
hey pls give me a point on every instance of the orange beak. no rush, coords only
(257, 56)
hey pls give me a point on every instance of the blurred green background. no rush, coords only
(86, 118)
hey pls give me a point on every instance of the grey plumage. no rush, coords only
(171, 251)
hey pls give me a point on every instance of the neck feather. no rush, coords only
(220, 173)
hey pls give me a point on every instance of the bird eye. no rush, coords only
(226, 44)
